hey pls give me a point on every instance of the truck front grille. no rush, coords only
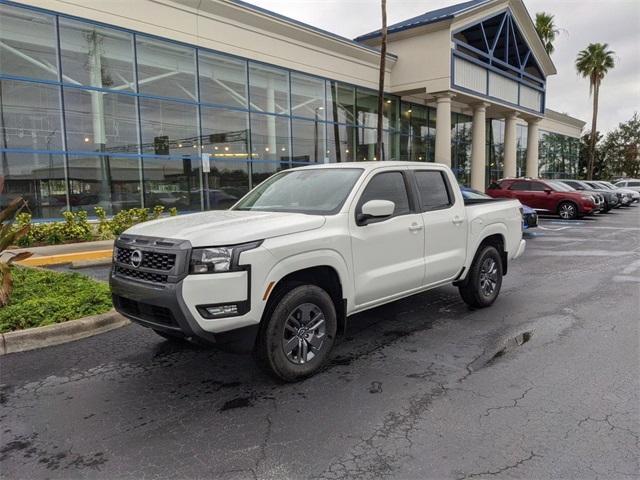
(141, 275)
(150, 259)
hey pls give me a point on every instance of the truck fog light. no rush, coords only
(220, 310)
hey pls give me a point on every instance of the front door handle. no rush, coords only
(457, 220)
(415, 227)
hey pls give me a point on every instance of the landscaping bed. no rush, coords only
(44, 297)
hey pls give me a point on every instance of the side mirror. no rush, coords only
(548, 190)
(375, 209)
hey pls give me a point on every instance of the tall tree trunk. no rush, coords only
(383, 58)
(594, 131)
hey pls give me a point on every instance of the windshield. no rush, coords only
(319, 191)
(608, 185)
(560, 187)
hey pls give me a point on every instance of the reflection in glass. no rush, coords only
(268, 89)
(340, 143)
(96, 56)
(227, 183)
(112, 183)
(341, 100)
(308, 141)
(27, 43)
(30, 116)
(101, 122)
(367, 108)
(166, 69)
(269, 138)
(36, 177)
(168, 128)
(223, 80)
(461, 147)
(225, 133)
(367, 143)
(307, 96)
(173, 182)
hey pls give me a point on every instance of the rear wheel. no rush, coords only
(299, 333)
(482, 286)
(568, 211)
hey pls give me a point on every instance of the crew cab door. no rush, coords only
(388, 252)
(445, 224)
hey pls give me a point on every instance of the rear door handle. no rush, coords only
(414, 227)
(457, 220)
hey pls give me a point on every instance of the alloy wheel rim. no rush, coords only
(567, 211)
(303, 334)
(488, 277)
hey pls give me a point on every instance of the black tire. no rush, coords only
(568, 211)
(475, 290)
(287, 347)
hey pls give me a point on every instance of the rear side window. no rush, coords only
(433, 189)
(633, 184)
(387, 186)
(520, 185)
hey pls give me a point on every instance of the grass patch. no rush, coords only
(45, 297)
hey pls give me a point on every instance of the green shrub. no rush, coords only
(43, 297)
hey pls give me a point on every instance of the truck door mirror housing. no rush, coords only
(375, 209)
(548, 190)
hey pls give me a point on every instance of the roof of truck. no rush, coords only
(370, 165)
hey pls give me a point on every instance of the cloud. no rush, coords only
(616, 22)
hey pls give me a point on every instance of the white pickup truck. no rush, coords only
(305, 249)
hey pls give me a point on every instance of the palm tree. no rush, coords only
(547, 30)
(594, 62)
(383, 57)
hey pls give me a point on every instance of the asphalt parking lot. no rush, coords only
(544, 384)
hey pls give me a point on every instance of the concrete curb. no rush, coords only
(39, 337)
(40, 261)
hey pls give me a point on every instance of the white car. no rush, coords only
(283, 268)
(629, 184)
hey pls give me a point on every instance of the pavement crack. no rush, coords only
(513, 466)
(514, 403)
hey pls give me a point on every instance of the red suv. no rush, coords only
(545, 196)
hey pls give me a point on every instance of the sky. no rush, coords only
(616, 22)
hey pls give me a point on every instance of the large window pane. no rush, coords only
(168, 128)
(340, 143)
(308, 141)
(367, 108)
(223, 80)
(102, 122)
(38, 178)
(166, 69)
(367, 143)
(225, 133)
(263, 170)
(414, 120)
(172, 182)
(112, 183)
(341, 103)
(307, 96)
(269, 89)
(96, 56)
(27, 43)
(269, 137)
(30, 116)
(227, 182)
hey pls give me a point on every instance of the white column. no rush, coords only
(443, 128)
(510, 145)
(479, 146)
(532, 148)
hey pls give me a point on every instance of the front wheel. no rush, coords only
(299, 333)
(482, 286)
(568, 211)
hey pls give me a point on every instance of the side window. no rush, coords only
(538, 187)
(633, 184)
(520, 185)
(387, 186)
(433, 190)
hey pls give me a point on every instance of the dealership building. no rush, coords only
(190, 103)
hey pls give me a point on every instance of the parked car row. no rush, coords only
(569, 199)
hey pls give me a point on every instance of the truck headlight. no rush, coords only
(218, 259)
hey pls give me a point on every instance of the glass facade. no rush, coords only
(92, 115)
(558, 155)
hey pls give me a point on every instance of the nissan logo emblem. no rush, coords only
(136, 258)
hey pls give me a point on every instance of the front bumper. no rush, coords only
(520, 250)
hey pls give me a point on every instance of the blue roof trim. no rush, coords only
(433, 16)
(326, 33)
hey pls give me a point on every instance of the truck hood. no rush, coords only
(227, 227)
